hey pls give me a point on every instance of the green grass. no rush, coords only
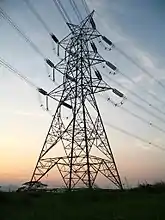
(137, 204)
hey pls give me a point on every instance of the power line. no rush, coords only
(85, 6)
(16, 72)
(146, 110)
(135, 136)
(135, 103)
(62, 11)
(144, 100)
(62, 7)
(25, 37)
(20, 32)
(25, 79)
(141, 118)
(140, 67)
(137, 64)
(132, 81)
(136, 95)
(144, 90)
(34, 11)
(76, 10)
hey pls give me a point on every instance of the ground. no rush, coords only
(84, 205)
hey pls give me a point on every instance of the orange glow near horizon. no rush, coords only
(17, 164)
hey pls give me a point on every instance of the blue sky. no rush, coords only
(138, 28)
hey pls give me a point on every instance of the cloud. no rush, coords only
(95, 3)
(139, 78)
(23, 113)
(142, 145)
(30, 114)
(144, 58)
(152, 92)
(126, 83)
(147, 61)
(158, 140)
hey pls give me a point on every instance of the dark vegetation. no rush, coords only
(141, 203)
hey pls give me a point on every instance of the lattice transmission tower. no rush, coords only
(85, 130)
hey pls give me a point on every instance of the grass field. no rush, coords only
(139, 204)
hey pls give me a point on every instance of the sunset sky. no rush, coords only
(136, 27)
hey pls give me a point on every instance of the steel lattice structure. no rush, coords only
(85, 130)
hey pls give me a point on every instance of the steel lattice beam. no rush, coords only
(85, 130)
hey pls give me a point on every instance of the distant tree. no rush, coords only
(33, 185)
(22, 188)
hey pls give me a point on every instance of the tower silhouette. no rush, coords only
(85, 130)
